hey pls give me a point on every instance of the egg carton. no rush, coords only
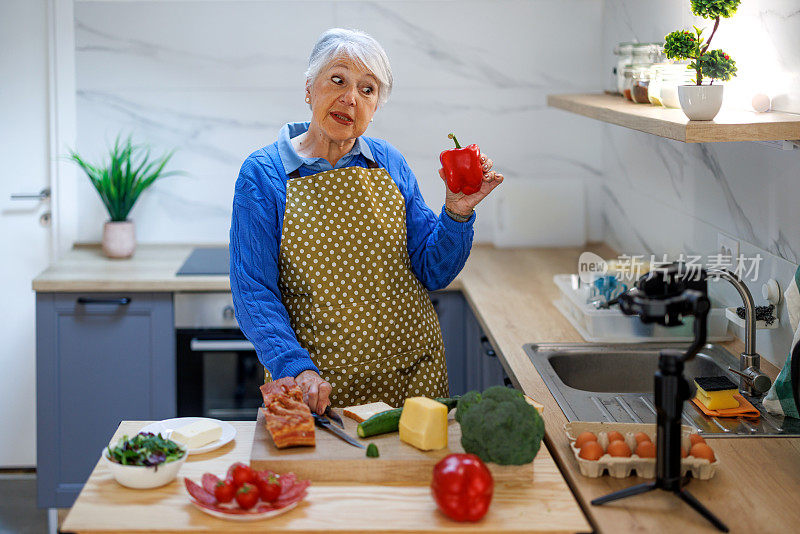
(618, 467)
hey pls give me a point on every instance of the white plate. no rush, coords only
(166, 427)
(247, 516)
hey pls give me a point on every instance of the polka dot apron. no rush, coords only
(353, 300)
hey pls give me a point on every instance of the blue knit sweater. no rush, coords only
(438, 248)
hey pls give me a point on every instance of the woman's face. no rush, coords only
(344, 97)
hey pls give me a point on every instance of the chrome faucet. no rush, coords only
(751, 380)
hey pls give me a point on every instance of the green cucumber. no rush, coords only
(389, 421)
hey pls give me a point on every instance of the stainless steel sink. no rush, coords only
(614, 382)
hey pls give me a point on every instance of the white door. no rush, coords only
(24, 242)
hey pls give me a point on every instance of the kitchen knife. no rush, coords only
(333, 416)
(322, 422)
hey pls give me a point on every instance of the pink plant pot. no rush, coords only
(119, 239)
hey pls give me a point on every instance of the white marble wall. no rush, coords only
(217, 79)
(661, 196)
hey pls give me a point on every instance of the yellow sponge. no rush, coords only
(716, 392)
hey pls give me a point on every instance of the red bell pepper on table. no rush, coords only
(462, 487)
(462, 168)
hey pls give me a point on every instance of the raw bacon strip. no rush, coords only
(209, 482)
(288, 419)
(199, 494)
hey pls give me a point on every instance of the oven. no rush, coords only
(218, 372)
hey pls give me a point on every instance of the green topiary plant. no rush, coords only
(124, 177)
(682, 44)
(717, 65)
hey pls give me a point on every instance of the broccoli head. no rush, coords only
(467, 399)
(499, 426)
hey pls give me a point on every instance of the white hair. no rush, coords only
(356, 45)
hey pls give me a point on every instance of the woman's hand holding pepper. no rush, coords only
(462, 204)
(316, 391)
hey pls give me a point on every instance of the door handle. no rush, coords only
(487, 347)
(120, 302)
(44, 194)
(219, 345)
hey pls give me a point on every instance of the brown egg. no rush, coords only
(702, 450)
(583, 438)
(694, 439)
(619, 448)
(615, 436)
(591, 450)
(640, 437)
(683, 452)
(646, 449)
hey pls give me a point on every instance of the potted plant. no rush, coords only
(119, 182)
(698, 101)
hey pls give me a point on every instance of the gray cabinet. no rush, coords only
(101, 358)
(472, 363)
(451, 306)
(482, 357)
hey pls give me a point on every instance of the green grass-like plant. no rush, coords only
(124, 176)
(682, 44)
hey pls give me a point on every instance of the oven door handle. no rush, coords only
(219, 345)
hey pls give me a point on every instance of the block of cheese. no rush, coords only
(363, 412)
(423, 423)
(716, 392)
(197, 434)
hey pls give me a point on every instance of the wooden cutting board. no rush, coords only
(334, 460)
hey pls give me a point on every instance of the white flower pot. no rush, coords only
(700, 102)
(119, 239)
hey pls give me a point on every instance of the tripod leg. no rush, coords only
(689, 499)
(627, 492)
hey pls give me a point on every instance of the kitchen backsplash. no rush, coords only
(662, 196)
(217, 80)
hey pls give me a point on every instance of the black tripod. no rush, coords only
(664, 297)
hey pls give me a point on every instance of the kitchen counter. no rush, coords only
(510, 291)
(104, 506)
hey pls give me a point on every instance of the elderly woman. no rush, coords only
(332, 247)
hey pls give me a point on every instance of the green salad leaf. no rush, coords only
(145, 449)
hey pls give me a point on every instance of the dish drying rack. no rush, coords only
(612, 326)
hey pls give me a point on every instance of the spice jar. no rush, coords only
(640, 80)
(643, 55)
(627, 84)
(624, 53)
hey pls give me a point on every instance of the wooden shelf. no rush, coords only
(673, 124)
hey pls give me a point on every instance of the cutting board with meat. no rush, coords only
(333, 460)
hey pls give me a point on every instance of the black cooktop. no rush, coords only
(206, 261)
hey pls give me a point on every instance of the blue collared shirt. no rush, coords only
(292, 161)
(438, 246)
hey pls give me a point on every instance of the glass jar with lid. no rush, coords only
(643, 55)
(624, 53)
(656, 78)
(647, 53)
(673, 76)
(627, 82)
(640, 81)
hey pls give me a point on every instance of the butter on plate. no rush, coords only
(197, 434)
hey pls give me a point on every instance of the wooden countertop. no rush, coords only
(756, 489)
(105, 506)
(152, 268)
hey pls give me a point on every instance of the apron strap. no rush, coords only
(370, 165)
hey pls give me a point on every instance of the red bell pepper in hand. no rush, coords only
(462, 168)
(462, 487)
